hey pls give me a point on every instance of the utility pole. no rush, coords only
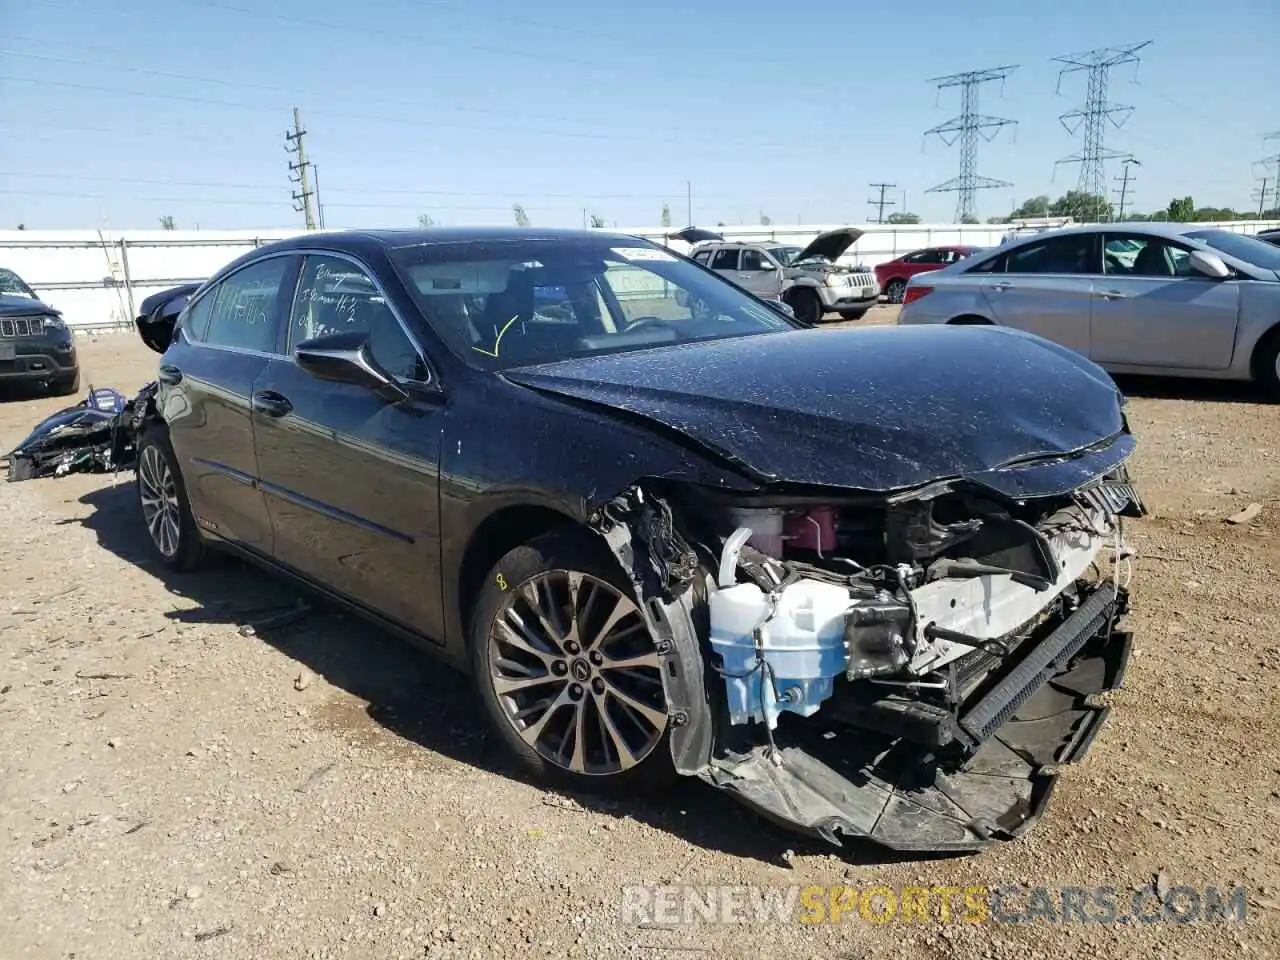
(1095, 114)
(966, 129)
(315, 171)
(1124, 185)
(881, 203)
(304, 196)
(1275, 181)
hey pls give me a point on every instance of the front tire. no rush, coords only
(66, 386)
(806, 304)
(853, 314)
(566, 668)
(895, 290)
(166, 512)
(1266, 364)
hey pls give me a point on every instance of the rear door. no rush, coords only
(1152, 309)
(206, 378)
(725, 262)
(352, 481)
(758, 274)
(1046, 287)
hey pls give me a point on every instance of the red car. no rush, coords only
(893, 276)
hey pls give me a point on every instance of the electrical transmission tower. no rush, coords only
(1096, 112)
(299, 172)
(1124, 185)
(1272, 161)
(880, 203)
(966, 129)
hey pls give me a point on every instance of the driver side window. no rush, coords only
(336, 296)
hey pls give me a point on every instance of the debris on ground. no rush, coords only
(96, 435)
(1247, 515)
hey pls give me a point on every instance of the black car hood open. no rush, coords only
(874, 409)
(14, 306)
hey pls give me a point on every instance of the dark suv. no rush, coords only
(35, 343)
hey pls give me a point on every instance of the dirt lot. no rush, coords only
(174, 785)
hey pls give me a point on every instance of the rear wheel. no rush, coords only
(567, 670)
(806, 304)
(171, 528)
(970, 321)
(895, 290)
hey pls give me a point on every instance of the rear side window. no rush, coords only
(725, 260)
(1070, 255)
(703, 257)
(244, 308)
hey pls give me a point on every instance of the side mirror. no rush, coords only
(345, 358)
(1209, 264)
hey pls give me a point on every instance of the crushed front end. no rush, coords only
(910, 668)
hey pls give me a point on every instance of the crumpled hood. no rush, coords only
(874, 409)
(13, 306)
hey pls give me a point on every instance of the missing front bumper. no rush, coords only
(1040, 713)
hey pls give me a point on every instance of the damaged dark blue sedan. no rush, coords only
(866, 581)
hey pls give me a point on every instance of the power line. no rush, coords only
(967, 128)
(436, 40)
(407, 121)
(1124, 185)
(1096, 112)
(293, 143)
(297, 91)
(737, 199)
(881, 202)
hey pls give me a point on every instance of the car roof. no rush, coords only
(363, 241)
(1154, 228)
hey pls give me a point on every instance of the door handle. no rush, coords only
(169, 374)
(1110, 294)
(270, 404)
(1001, 287)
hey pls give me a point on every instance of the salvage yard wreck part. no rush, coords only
(97, 435)
(921, 712)
(856, 579)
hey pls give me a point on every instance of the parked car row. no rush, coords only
(665, 526)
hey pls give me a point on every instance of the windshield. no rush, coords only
(509, 303)
(785, 255)
(11, 285)
(1249, 249)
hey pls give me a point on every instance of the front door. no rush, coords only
(223, 344)
(1046, 288)
(352, 481)
(1151, 309)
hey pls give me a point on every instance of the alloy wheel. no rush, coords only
(895, 291)
(158, 494)
(576, 673)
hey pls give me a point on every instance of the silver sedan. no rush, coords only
(1147, 298)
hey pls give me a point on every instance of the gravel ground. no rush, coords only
(174, 783)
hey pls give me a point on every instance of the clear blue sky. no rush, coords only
(115, 112)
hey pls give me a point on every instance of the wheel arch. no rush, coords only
(498, 533)
(1261, 354)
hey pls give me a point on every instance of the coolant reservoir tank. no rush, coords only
(801, 649)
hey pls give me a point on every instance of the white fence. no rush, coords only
(97, 279)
